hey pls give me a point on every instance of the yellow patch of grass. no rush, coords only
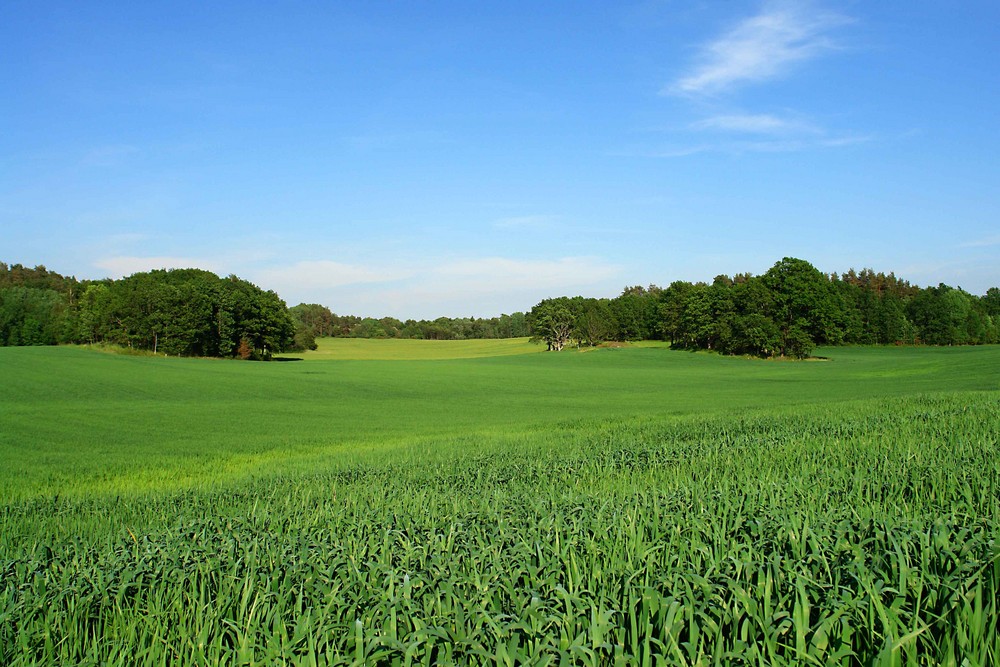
(393, 349)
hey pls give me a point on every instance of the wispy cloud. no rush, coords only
(757, 49)
(763, 133)
(126, 238)
(754, 123)
(492, 285)
(526, 221)
(327, 274)
(435, 286)
(739, 133)
(109, 156)
(776, 143)
(121, 255)
(974, 276)
(760, 48)
(127, 265)
(682, 151)
(422, 287)
(489, 272)
(382, 141)
(846, 140)
(985, 242)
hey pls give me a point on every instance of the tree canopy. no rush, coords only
(180, 312)
(787, 311)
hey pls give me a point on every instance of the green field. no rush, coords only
(479, 502)
(368, 349)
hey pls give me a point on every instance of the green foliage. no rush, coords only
(36, 306)
(303, 340)
(553, 322)
(666, 513)
(321, 322)
(185, 312)
(943, 315)
(593, 321)
(314, 319)
(247, 313)
(991, 303)
(629, 315)
(805, 306)
(790, 310)
(39, 277)
(786, 312)
(31, 316)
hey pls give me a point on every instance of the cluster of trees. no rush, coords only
(34, 305)
(785, 312)
(179, 312)
(318, 321)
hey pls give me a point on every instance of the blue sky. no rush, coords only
(456, 158)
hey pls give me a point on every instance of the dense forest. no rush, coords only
(182, 312)
(787, 311)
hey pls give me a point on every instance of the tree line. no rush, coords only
(179, 312)
(196, 313)
(787, 311)
(317, 321)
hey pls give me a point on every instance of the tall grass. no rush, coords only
(850, 533)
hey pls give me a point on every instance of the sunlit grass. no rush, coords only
(631, 506)
(405, 349)
(75, 420)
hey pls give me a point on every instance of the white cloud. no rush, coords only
(526, 221)
(493, 285)
(372, 142)
(126, 266)
(778, 143)
(126, 238)
(985, 242)
(109, 156)
(739, 133)
(683, 151)
(427, 287)
(326, 274)
(846, 140)
(760, 48)
(974, 276)
(754, 123)
(432, 287)
(492, 273)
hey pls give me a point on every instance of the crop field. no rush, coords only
(368, 349)
(382, 503)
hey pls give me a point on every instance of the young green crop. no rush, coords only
(79, 422)
(787, 530)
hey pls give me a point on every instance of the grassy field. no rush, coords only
(77, 421)
(366, 349)
(480, 503)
